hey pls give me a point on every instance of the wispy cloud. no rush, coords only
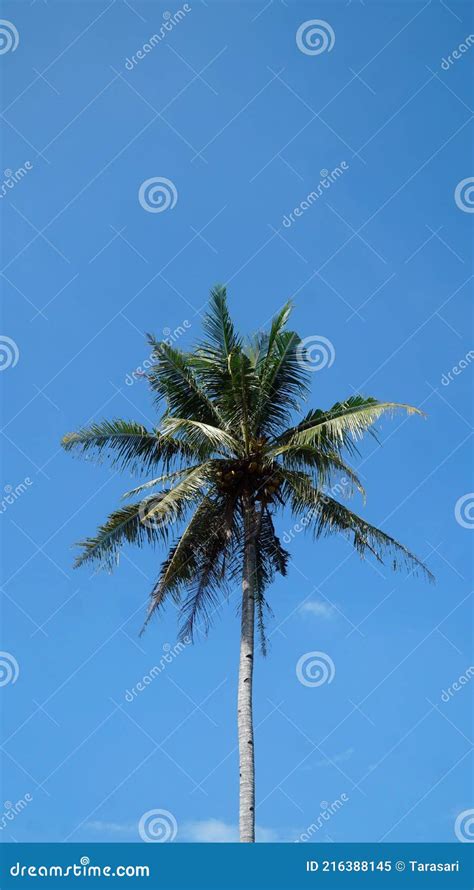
(337, 758)
(202, 831)
(116, 828)
(216, 831)
(319, 608)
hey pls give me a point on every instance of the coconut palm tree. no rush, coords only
(230, 451)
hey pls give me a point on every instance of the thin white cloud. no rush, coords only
(319, 608)
(337, 758)
(209, 831)
(202, 831)
(111, 828)
(218, 832)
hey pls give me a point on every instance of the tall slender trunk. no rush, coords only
(244, 704)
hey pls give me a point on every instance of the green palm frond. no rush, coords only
(180, 566)
(208, 586)
(197, 563)
(283, 378)
(327, 516)
(270, 558)
(222, 366)
(172, 378)
(214, 559)
(267, 341)
(122, 526)
(148, 520)
(201, 435)
(242, 393)
(160, 480)
(272, 551)
(323, 463)
(128, 445)
(222, 338)
(171, 504)
(344, 424)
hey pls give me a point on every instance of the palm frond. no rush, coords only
(148, 520)
(324, 464)
(208, 585)
(344, 424)
(180, 566)
(215, 555)
(129, 445)
(271, 547)
(222, 338)
(270, 558)
(268, 340)
(201, 435)
(197, 564)
(122, 526)
(219, 360)
(327, 516)
(153, 483)
(171, 504)
(243, 395)
(283, 381)
(172, 378)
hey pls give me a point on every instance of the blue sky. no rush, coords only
(228, 108)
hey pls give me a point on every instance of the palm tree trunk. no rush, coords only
(244, 705)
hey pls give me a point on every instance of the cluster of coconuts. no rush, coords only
(251, 470)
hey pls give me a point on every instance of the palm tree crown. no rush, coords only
(231, 438)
